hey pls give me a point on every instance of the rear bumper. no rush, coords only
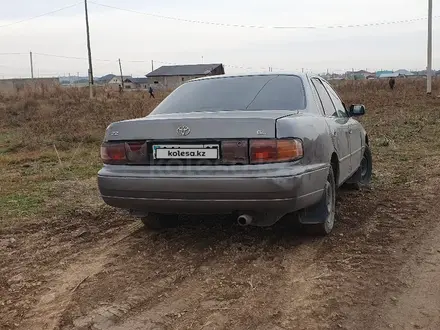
(290, 189)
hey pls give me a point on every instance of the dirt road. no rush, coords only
(380, 267)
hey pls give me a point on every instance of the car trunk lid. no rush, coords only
(199, 126)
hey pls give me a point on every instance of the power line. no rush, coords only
(71, 57)
(263, 26)
(128, 61)
(107, 62)
(188, 20)
(13, 53)
(225, 24)
(41, 15)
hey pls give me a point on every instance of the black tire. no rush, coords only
(321, 215)
(364, 172)
(366, 167)
(156, 221)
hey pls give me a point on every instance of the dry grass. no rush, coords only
(64, 117)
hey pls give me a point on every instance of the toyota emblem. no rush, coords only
(183, 130)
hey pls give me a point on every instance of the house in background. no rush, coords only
(403, 72)
(398, 74)
(116, 80)
(104, 80)
(388, 75)
(171, 77)
(136, 83)
(359, 75)
(381, 72)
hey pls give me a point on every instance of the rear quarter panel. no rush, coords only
(313, 131)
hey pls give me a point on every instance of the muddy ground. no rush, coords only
(70, 262)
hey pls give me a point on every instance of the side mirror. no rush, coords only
(357, 110)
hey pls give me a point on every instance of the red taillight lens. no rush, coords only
(263, 151)
(274, 150)
(113, 153)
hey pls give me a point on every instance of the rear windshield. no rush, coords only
(268, 92)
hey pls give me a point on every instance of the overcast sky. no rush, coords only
(136, 37)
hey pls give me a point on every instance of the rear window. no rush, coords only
(268, 92)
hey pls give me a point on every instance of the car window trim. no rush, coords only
(331, 99)
(336, 110)
(316, 94)
(324, 83)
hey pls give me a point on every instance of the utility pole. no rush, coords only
(122, 77)
(32, 65)
(89, 50)
(152, 65)
(429, 67)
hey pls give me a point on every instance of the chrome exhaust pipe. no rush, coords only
(245, 220)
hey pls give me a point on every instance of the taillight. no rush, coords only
(113, 153)
(275, 150)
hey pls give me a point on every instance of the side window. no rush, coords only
(316, 97)
(329, 108)
(336, 100)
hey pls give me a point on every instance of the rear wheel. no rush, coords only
(320, 218)
(366, 167)
(156, 221)
(364, 174)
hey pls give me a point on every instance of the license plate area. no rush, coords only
(210, 151)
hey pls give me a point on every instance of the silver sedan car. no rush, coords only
(255, 146)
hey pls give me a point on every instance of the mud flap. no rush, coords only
(313, 215)
(356, 177)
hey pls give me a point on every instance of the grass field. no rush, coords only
(53, 220)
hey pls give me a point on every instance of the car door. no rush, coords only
(339, 127)
(355, 129)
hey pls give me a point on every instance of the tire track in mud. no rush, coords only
(46, 313)
(418, 306)
(177, 279)
(408, 269)
(224, 295)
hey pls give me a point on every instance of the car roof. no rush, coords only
(284, 73)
